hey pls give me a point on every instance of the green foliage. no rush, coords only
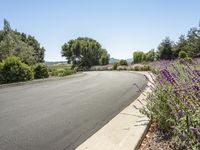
(122, 62)
(165, 49)
(1, 73)
(13, 70)
(182, 54)
(104, 57)
(60, 70)
(84, 53)
(138, 57)
(174, 103)
(115, 66)
(13, 43)
(40, 71)
(141, 68)
(150, 56)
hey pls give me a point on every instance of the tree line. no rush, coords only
(14, 43)
(188, 46)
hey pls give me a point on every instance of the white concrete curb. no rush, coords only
(125, 131)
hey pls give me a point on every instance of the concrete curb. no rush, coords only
(42, 80)
(125, 131)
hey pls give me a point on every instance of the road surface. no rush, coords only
(61, 114)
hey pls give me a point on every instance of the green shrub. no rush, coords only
(188, 59)
(41, 71)
(62, 72)
(115, 66)
(1, 73)
(182, 54)
(14, 70)
(123, 63)
(136, 68)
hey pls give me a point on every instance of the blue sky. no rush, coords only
(121, 26)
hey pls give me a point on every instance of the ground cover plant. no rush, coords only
(175, 103)
(60, 70)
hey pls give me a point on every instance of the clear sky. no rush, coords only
(121, 26)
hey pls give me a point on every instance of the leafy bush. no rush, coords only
(175, 104)
(115, 66)
(62, 72)
(122, 62)
(14, 70)
(182, 54)
(41, 71)
(1, 73)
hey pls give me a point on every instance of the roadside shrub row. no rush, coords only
(13, 70)
(138, 67)
(175, 103)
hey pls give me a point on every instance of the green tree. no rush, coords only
(138, 56)
(13, 43)
(181, 45)
(6, 26)
(150, 56)
(122, 62)
(193, 42)
(165, 49)
(105, 57)
(84, 53)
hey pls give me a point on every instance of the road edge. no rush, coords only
(80, 74)
(125, 131)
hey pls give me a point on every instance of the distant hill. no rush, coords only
(114, 60)
(129, 60)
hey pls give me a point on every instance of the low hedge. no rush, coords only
(13, 70)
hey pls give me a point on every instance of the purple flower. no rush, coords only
(195, 87)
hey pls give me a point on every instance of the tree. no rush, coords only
(150, 56)
(193, 42)
(6, 26)
(105, 57)
(138, 56)
(13, 43)
(181, 45)
(84, 52)
(165, 49)
(122, 62)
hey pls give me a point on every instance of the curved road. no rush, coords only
(61, 114)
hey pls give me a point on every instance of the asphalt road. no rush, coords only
(61, 114)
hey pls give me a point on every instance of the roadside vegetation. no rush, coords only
(174, 104)
(84, 53)
(22, 58)
(60, 70)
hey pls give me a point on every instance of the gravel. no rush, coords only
(155, 139)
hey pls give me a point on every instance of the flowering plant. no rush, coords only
(175, 103)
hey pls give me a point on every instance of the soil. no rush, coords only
(155, 139)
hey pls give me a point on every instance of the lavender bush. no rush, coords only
(175, 103)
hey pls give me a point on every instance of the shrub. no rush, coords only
(188, 59)
(115, 66)
(123, 63)
(1, 73)
(14, 70)
(174, 104)
(41, 71)
(62, 72)
(182, 54)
